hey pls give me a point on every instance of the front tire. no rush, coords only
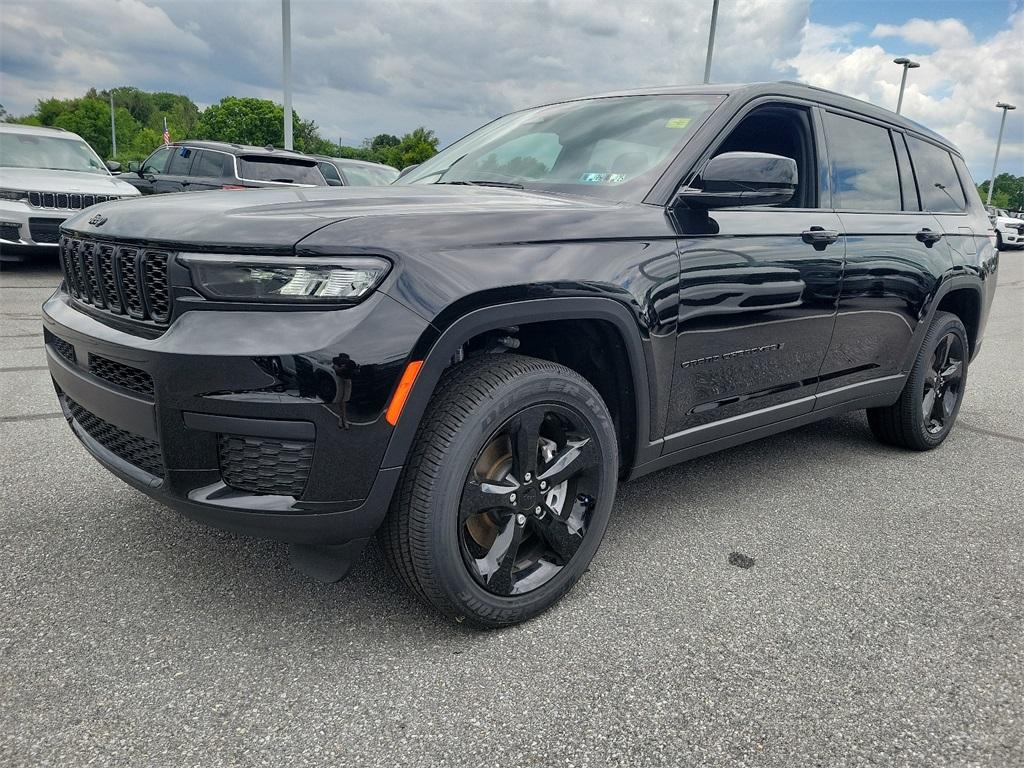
(928, 406)
(507, 492)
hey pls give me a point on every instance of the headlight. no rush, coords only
(13, 194)
(286, 279)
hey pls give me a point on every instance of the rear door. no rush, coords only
(207, 171)
(895, 255)
(174, 179)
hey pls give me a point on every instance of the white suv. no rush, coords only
(1009, 230)
(46, 175)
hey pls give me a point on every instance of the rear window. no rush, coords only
(864, 175)
(936, 178)
(208, 164)
(281, 169)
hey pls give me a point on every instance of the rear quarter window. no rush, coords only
(280, 169)
(937, 179)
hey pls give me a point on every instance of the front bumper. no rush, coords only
(1011, 237)
(24, 226)
(264, 423)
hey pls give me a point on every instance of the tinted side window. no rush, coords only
(936, 177)
(864, 176)
(157, 162)
(181, 161)
(208, 164)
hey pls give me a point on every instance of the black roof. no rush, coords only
(746, 91)
(241, 149)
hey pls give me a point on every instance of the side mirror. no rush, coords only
(406, 171)
(334, 183)
(742, 178)
(113, 166)
(134, 166)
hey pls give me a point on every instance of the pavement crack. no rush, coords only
(991, 433)
(31, 417)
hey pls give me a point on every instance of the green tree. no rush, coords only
(245, 121)
(1007, 193)
(413, 148)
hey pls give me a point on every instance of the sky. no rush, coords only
(363, 67)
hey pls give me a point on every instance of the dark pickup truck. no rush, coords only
(574, 295)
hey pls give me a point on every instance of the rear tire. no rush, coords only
(924, 415)
(507, 491)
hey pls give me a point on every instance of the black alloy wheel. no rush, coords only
(942, 383)
(507, 492)
(927, 408)
(526, 504)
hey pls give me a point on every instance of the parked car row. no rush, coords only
(47, 174)
(1009, 228)
(191, 166)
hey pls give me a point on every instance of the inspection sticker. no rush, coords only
(677, 122)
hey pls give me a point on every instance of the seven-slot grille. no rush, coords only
(66, 201)
(124, 280)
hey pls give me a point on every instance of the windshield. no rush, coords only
(613, 147)
(367, 176)
(24, 150)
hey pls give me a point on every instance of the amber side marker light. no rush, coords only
(412, 370)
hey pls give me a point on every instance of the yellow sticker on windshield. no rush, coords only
(677, 122)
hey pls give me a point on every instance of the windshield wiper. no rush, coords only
(484, 183)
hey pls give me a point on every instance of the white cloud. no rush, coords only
(368, 66)
(954, 92)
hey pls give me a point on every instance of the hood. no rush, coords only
(1010, 221)
(47, 180)
(272, 219)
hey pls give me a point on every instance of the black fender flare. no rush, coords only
(952, 282)
(440, 354)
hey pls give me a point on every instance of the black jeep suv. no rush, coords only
(573, 295)
(198, 166)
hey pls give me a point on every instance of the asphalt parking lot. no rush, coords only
(882, 624)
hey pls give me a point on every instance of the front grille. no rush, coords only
(45, 230)
(122, 375)
(63, 348)
(66, 201)
(265, 466)
(121, 279)
(136, 450)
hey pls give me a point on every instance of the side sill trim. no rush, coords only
(736, 430)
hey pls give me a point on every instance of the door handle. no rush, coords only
(928, 237)
(819, 237)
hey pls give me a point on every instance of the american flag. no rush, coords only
(167, 133)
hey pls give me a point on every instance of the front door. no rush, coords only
(177, 171)
(757, 296)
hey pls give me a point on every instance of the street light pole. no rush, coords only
(711, 42)
(999, 142)
(286, 37)
(113, 128)
(907, 64)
